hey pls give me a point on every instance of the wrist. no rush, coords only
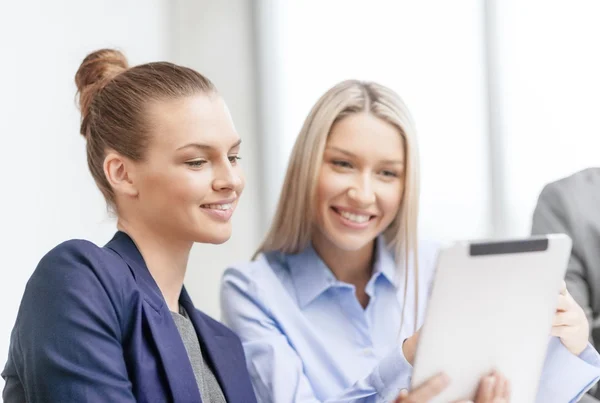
(579, 349)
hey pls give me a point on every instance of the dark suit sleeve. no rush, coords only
(66, 346)
(553, 215)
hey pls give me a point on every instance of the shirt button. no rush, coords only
(367, 351)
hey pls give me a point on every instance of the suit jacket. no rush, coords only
(93, 327)
(572, 206)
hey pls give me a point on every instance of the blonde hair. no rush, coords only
(292, 225)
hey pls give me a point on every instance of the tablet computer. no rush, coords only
(491, 307)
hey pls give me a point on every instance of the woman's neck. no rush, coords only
(353, 267)
(165, 258)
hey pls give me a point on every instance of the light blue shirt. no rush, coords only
(307, 338)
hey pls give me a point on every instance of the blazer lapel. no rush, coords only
(163, 331)
(173, 355)
(218, 351)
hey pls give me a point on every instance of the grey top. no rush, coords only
(210, 390)
(571, 205)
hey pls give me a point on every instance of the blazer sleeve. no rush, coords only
(553, 215)
(66, 343)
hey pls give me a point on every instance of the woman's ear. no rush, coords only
(120, 174)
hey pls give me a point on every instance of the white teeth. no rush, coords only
(355, 217)
(218, 206)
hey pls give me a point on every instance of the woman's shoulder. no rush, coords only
(260, 272)
(266, 280)
(77, 279)
(76, 263)
(72, 248)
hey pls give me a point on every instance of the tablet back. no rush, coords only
(491, 307)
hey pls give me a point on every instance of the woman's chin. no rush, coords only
(214, 238)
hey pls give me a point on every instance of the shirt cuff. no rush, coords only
(591, 356)
(566, 377)
(392, 375)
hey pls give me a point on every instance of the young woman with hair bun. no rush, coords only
(114, 323)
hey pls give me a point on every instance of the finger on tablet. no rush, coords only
(485, 392)
(430, 388)
(500, 388)
(563, 288)
(563, 303)
(560, 319)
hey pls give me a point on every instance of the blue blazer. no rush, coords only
(94, 327)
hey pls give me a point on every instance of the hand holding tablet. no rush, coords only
(493, 388)
(492, 307)
(570, 323)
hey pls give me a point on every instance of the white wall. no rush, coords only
(543, 94)
(48, 195)
(550, 80)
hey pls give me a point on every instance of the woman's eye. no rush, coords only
(390, 174)
(196, 163)
(234, 159)
(342, 164)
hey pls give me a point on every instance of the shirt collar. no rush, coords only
(311, 277)
(384, 263)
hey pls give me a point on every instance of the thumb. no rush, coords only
(403, 395)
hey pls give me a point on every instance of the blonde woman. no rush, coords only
(330, 307)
